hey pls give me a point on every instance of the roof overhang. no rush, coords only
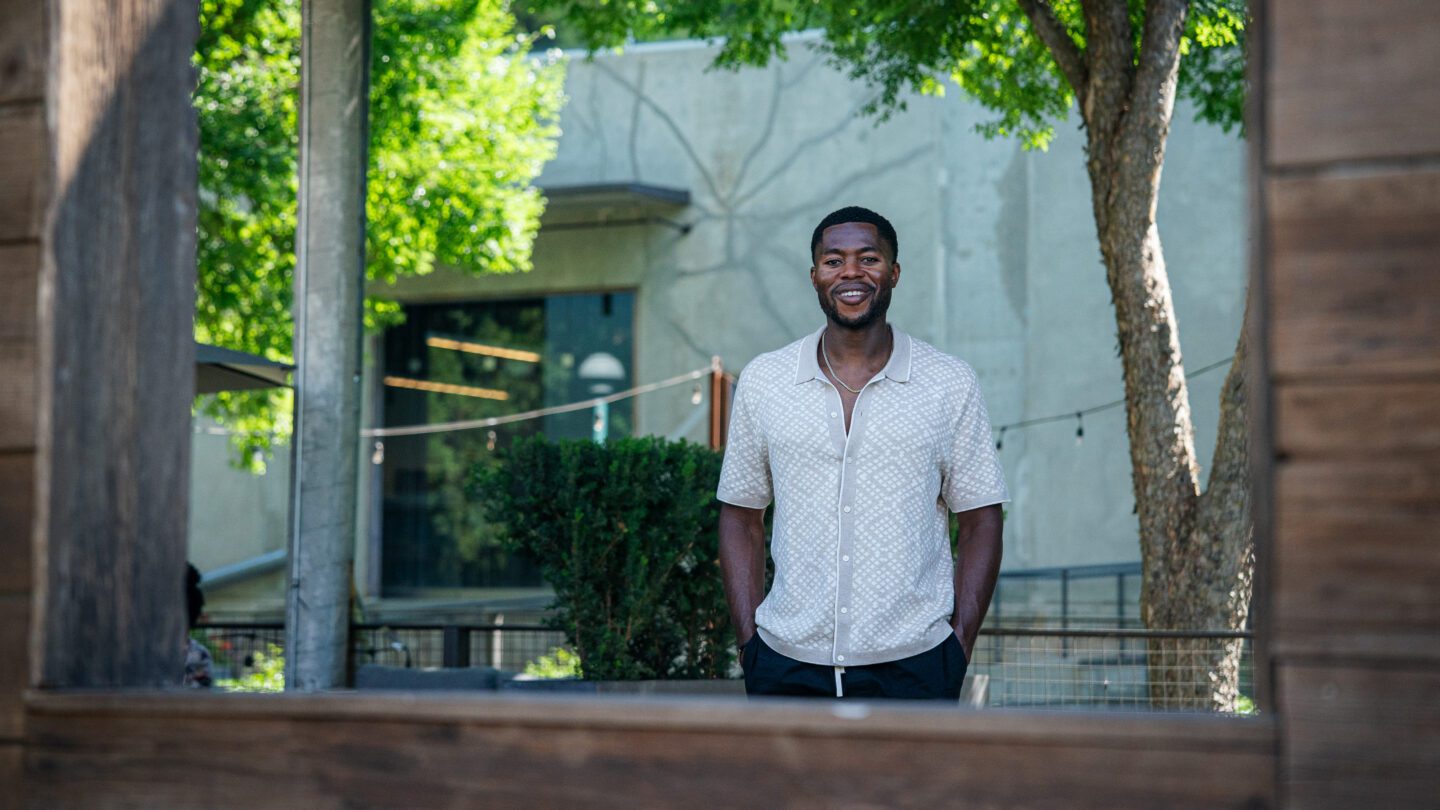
(218, 369)
(610, 204)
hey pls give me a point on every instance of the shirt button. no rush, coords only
(834, 415)
(844, 610)
(839, 658)
(847, 509)
(846, 558)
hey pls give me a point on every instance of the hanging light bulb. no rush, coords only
(377, 456)
(695, 395)
(489, 440)
(1000, 441)
(1079, 429)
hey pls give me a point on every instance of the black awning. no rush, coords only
(218, 369)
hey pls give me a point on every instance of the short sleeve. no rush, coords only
(971, 475)
(745, 473)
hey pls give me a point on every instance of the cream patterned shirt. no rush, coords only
(863, 572)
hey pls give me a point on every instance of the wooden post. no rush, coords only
(115, 365)
(718, 397)
(329, 290)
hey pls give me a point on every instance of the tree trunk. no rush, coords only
(1196, 550)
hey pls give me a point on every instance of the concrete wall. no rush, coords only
(999, 259)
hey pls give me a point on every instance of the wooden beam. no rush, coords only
(495, 750)
(1357, 419)
(14, 670)
(1353, 80)
(1353, 287)
(1361, 736)
(1357, 558)
(22, 51)
(23, 180)
(115, 333)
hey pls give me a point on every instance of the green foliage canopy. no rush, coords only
(986, 47)
(462, 118)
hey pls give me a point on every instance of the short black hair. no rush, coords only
(854, 213)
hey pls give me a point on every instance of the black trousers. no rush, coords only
(935, 674)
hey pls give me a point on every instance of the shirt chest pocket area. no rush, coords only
(802, 433)
(901, 438)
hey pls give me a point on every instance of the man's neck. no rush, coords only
(867, 348)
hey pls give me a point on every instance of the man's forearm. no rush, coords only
(977, 566)
(742, 565)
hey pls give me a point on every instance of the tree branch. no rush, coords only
(1110, 45)
(1062, 46)
(1159, 52)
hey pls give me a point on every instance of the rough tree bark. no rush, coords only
(1196, 548)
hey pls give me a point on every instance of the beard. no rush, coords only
(879, 305)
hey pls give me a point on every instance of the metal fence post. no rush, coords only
(1064, 610)
(456, 650)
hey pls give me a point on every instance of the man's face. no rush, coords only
(853, 274)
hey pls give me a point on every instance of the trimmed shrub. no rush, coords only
(626, 534)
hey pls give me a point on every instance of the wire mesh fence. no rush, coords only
(240, 649)
(1105, 669)
(1126, 669)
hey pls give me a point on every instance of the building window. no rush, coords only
(459, 361)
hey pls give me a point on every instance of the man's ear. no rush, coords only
(895, 274)
(812, 276)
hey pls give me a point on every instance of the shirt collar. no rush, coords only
(807, 368)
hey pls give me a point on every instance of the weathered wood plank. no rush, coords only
(12, 759)
(1357, 558)
(18, 395)
(116, 341)
(1351, 80)
(17, 509)
(14, 674)
(1362, 419)
(22, 176)
(1353, 284)
(22, 50)
(493, 751)
(19, 275)
(1360, 736)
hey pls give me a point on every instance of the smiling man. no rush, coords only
(865, 439)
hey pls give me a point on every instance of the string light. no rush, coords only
(695, 395)
(489, 440)
(1079, 415)
(377, 456)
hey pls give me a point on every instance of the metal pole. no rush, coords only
(329, 295)
(1064, 609)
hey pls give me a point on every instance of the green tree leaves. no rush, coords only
(463, 116)
(987, 47)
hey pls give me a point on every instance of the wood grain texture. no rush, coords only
(17, 510)
(22, 170)
(1352, 279)
(19, 378)
(1357, 559)
(348, 751)
(1353, 80)
(14, 674)
(12, 759)
(22, 50)
(1361, 736)
(116, 343)
(1361, 419)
